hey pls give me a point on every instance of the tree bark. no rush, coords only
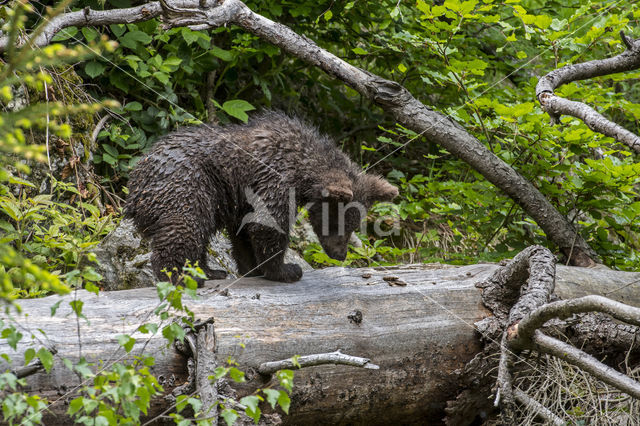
(389, 95)
(420, 335)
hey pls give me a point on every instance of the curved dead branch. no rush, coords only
(555, 105)
(389, 95)
(563, 309)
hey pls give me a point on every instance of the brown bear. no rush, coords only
(248, 179)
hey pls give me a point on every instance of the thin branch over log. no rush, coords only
(389, 95)
(335, 358)
(555, 105)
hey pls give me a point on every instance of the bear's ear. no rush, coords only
(375, 188)
(333, 192)
(336, 187)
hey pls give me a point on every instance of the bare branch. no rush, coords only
(533, 405)
(88, 17)
(556, 106)
(565, 308)
(586, 362)
(336, 357)
(28, 370)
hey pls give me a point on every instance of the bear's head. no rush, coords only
(339, 206)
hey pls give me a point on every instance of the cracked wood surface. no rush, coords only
(421, 335)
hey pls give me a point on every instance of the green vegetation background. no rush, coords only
(476, 61)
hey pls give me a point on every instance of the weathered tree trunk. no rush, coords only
(420, 334)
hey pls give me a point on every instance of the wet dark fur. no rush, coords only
(192, 183)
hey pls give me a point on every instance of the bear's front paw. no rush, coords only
(288, 273)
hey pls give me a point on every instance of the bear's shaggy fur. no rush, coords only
(248, 179)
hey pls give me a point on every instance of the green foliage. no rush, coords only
(476, 61)
(118, 395)
(36, 249)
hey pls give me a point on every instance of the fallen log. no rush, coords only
(415, 322)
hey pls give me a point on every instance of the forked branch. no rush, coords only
(555, 105)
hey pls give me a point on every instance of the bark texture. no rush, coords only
(420, 335)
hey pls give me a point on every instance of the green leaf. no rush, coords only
(423, 7)
(65, 34)
(237, 108)
(90, 274)
(110, 150)
(236, 375)
(250, 401)
(252, 410)
(148, 328)
(230, 416)
(12, 335)
(132, 38)
(328, 15)
(28, 355)
(285, 377)
(161, 77)
(55, 307)
(272, 396)
(117, 29)
(359, 51)
(164, 288)
(225, 55)
(284, 401)
(126, 341)
(75, 405)
(92, 288)
(109, 159)
(76, 306)
(133, 106)
(46, 358)
(94, 68)
(543, 21)
(19, 181)
(172, 332)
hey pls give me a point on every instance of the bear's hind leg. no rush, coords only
(243, 255)
(176, 240)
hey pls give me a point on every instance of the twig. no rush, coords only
(99, 126)
(46, 135)
(540, 410)
(267, 368)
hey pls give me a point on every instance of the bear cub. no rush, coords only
(247, 179)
